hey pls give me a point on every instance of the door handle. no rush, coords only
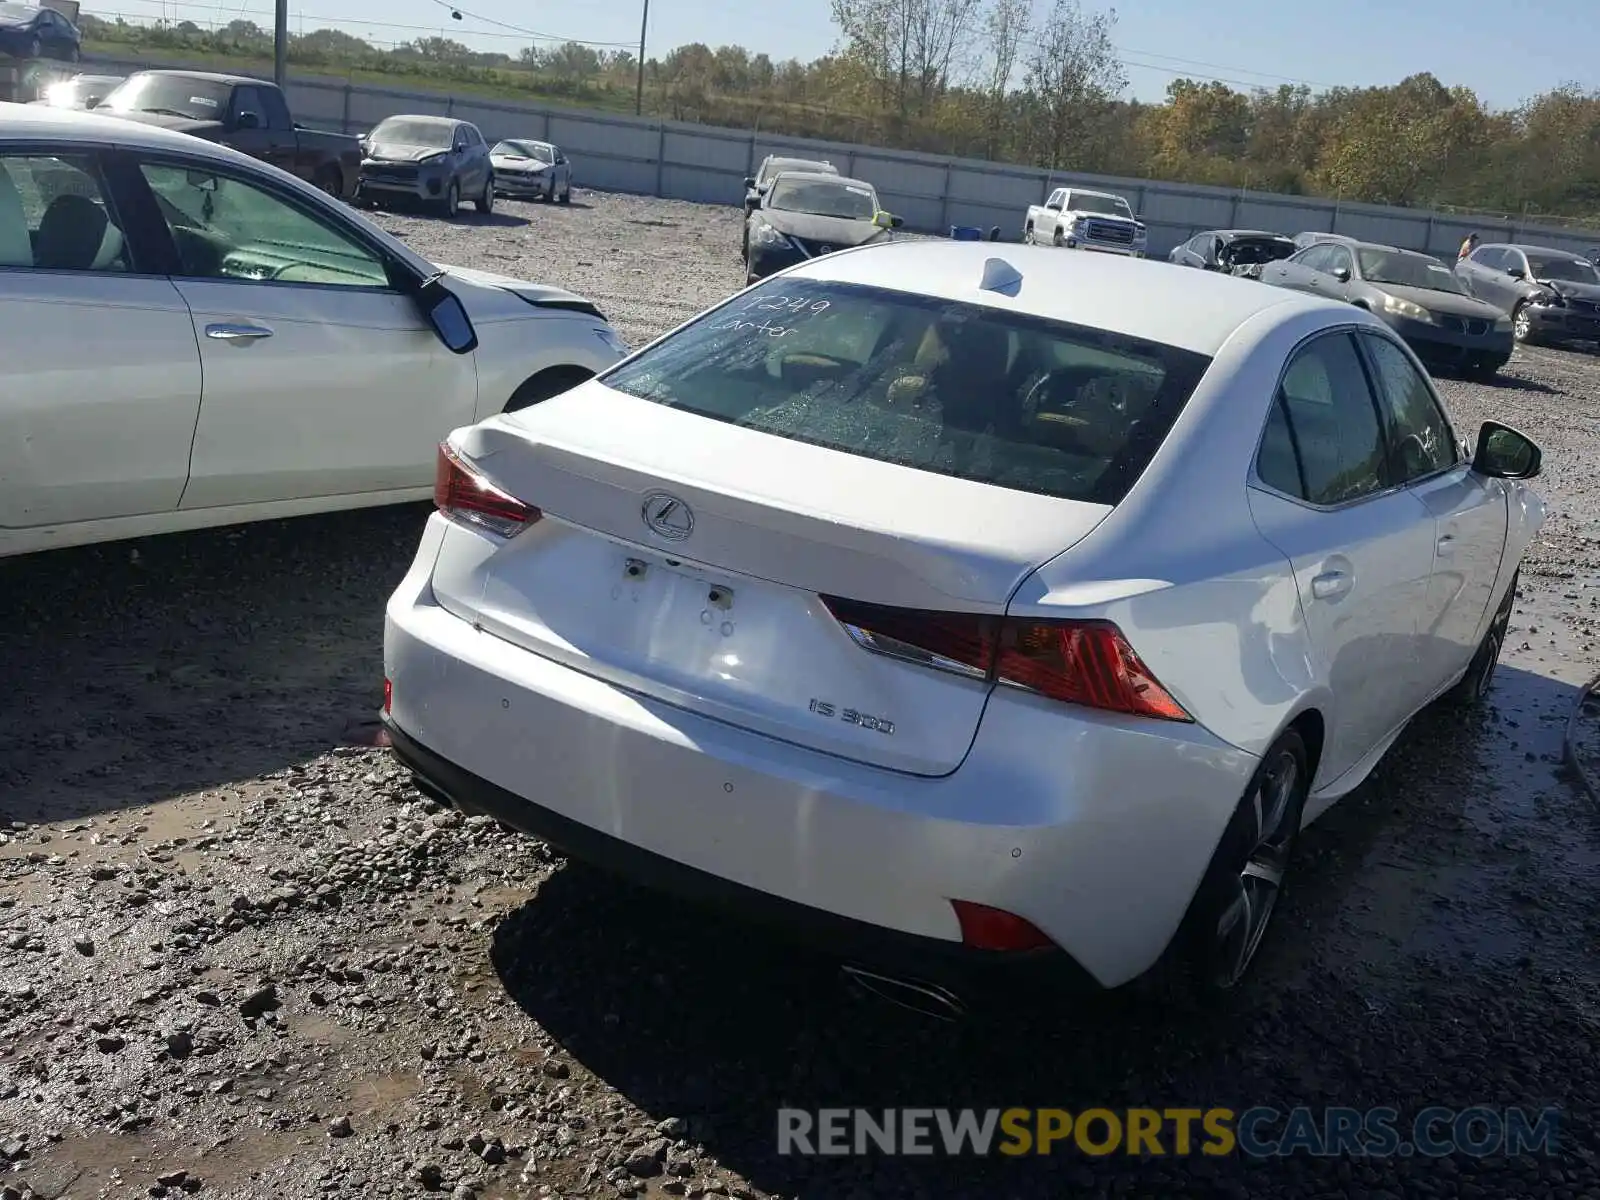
(237, 333)
(1330, 584)
(1446, 544)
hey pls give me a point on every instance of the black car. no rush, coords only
(27, 31)
(1233, 251)
(1550, 295)
(1415, 294)
(803, 215)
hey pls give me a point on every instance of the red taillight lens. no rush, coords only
(461, 493)
(985, 928)
(1084, 663)
(388, 694)
(1079, 662)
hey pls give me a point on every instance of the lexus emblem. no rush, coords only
(667, 516)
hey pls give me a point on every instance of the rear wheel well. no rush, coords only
(1309, 725)
(552, 381)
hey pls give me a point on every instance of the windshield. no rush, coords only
(958, 389)
(823, 198)
(171, 95)
(1248, 252)
(778, 165)
(1408, 270)
(537, 151)
(1114, 206)
(1568, 270)
(409, 131)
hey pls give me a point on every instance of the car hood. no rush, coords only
(1443, 302)
(194, 126)
(400, 152)
(515, 162)
(1570, 290)
(536, 293)
(836, 231)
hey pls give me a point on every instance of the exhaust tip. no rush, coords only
(926, 999)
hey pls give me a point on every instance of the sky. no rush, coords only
(1507, 51)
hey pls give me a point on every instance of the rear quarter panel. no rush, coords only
(1180, 566)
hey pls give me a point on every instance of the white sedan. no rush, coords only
(196, 338)
(964, 609)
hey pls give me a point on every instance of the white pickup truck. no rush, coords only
(1084, 220)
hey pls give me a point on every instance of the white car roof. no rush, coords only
(1077, 191)
(29, 122)
(1193, 310)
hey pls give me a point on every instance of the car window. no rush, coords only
(956, 389)
(225, 228)
(1424, 443)
(1489, 256)
(1312, 257)
(248, 100)
(1330, 424)
(1338, 256)
(54, 216)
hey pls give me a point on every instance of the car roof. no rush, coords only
(1081, 191)
(1193, 310)
(790, 158)
(1528, 249)
(822, 177)
(30, 122)
(209, 76)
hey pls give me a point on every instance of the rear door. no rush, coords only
(321, 378)
(1469, 511)
(795, 514)
(102, 383)
(1361, 550)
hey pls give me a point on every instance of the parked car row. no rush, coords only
(1464, 317)
(797, 209)
(873, 595)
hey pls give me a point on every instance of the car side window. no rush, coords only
(1424, 443)
(274, 109)
(1313, 257)
(1330, 428)
(247, 100)
(1489, 256)
(55, 215)
(1338, 256)
(227, 229)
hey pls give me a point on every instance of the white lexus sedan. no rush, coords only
(196, 338)
(964, 605)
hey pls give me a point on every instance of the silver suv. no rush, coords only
(437, 160)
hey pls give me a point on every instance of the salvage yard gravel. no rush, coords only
(241, 955)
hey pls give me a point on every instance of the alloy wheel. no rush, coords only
(1248, 910)
(1521, 326)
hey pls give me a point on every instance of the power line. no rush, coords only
(548, 37)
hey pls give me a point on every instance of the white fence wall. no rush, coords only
(707, 164)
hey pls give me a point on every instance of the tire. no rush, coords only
(485, 203)
(328, 179)
(1232, 910)
(1473, 688)
(451, 200)
(1027, 234)
(566, 193)
(1521, 325)
(545, 385)
(1058, 238)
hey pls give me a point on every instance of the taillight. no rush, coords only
(388, 695)
(1078, 662)
(463, 494)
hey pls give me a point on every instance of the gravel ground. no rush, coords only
(241, 956)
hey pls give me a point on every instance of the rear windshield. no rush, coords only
(957, 389)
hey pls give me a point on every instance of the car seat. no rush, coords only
(76, 235)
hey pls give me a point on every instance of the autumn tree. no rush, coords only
(1071, 79)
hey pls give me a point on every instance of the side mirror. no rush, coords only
(247, 120)
(1342, 274)
(444, 311)
(1516, 272)
(1503, 453)
(994, 233)
(751, 203)
(749, 182)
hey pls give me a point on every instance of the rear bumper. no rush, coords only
(1093, 827)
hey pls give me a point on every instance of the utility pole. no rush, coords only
(638, 94)
(280, 43)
